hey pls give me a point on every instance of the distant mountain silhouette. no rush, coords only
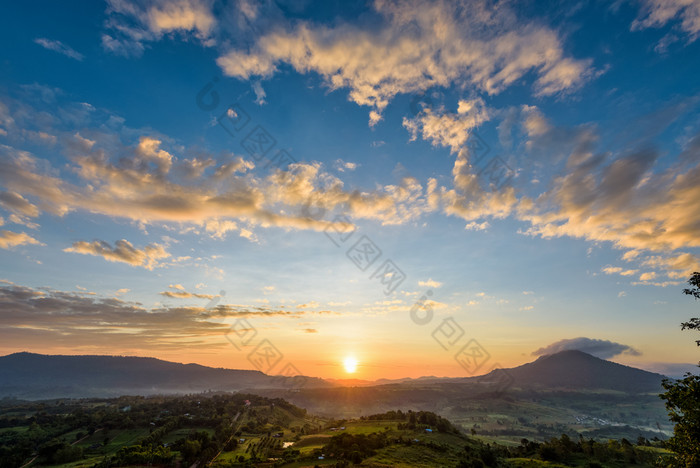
(558, 381)
(28, 375)
(577, 370)
(34, 376)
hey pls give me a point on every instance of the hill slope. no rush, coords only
(577, 370)
(28, 375)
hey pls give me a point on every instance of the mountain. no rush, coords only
(31, 376)
(28, 375)
(577, 370)
(568, 389)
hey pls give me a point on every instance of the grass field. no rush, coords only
(412, 456)
(184, 432)
(118, 439)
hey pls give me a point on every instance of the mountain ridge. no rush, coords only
(578, 369)
(30, 375)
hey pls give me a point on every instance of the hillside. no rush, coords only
(28, 375)
(246, 430)
(580, 371)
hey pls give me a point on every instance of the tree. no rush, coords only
(683, 400)
(693, 323)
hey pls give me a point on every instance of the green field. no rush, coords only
(172, 431)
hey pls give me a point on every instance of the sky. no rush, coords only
(360, 190)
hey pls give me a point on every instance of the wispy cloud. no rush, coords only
(123, 251)
(603, 349)
(132, 24)
(60, 47)
(610, 270)
(430, 283)
(624, 200)
(30, 317)
(417, 45)
(9, 239)
(179, 292)
(657, 13)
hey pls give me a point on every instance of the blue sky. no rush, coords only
(535, 166)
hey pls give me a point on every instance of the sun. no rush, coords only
(350, 364)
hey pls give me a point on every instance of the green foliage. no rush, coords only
(565, 450)
(694, 290)
(355, 448)
(138, 454)
(683, 400)
(683, 404)
(694, 282)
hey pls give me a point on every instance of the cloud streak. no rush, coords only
(417, 45)
(60, 47)
(47, 318)
(10, 239)
(603, 349)
(657, 13)
(131, 24)
(123, 251)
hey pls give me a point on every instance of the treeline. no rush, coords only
(416, 420)
(355, 447)
(567, 451)
(42, 427)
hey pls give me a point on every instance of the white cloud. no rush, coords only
(9, 239)
(180, 293)
(259, 93)
(474, 226)
(447, 129)
(610, 270)
(29, 318)
(622, 200)
(416, 46)
(343, 166)
(132, 24)
(141, 182)
(60, 47)
(657, 13)
(430, 283)
(18, 204)
(123, 252)
(603, 349)
(186, 15)
(647, 276)
(677, 266)
(219, 228)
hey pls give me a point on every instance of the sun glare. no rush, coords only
(350, 365)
